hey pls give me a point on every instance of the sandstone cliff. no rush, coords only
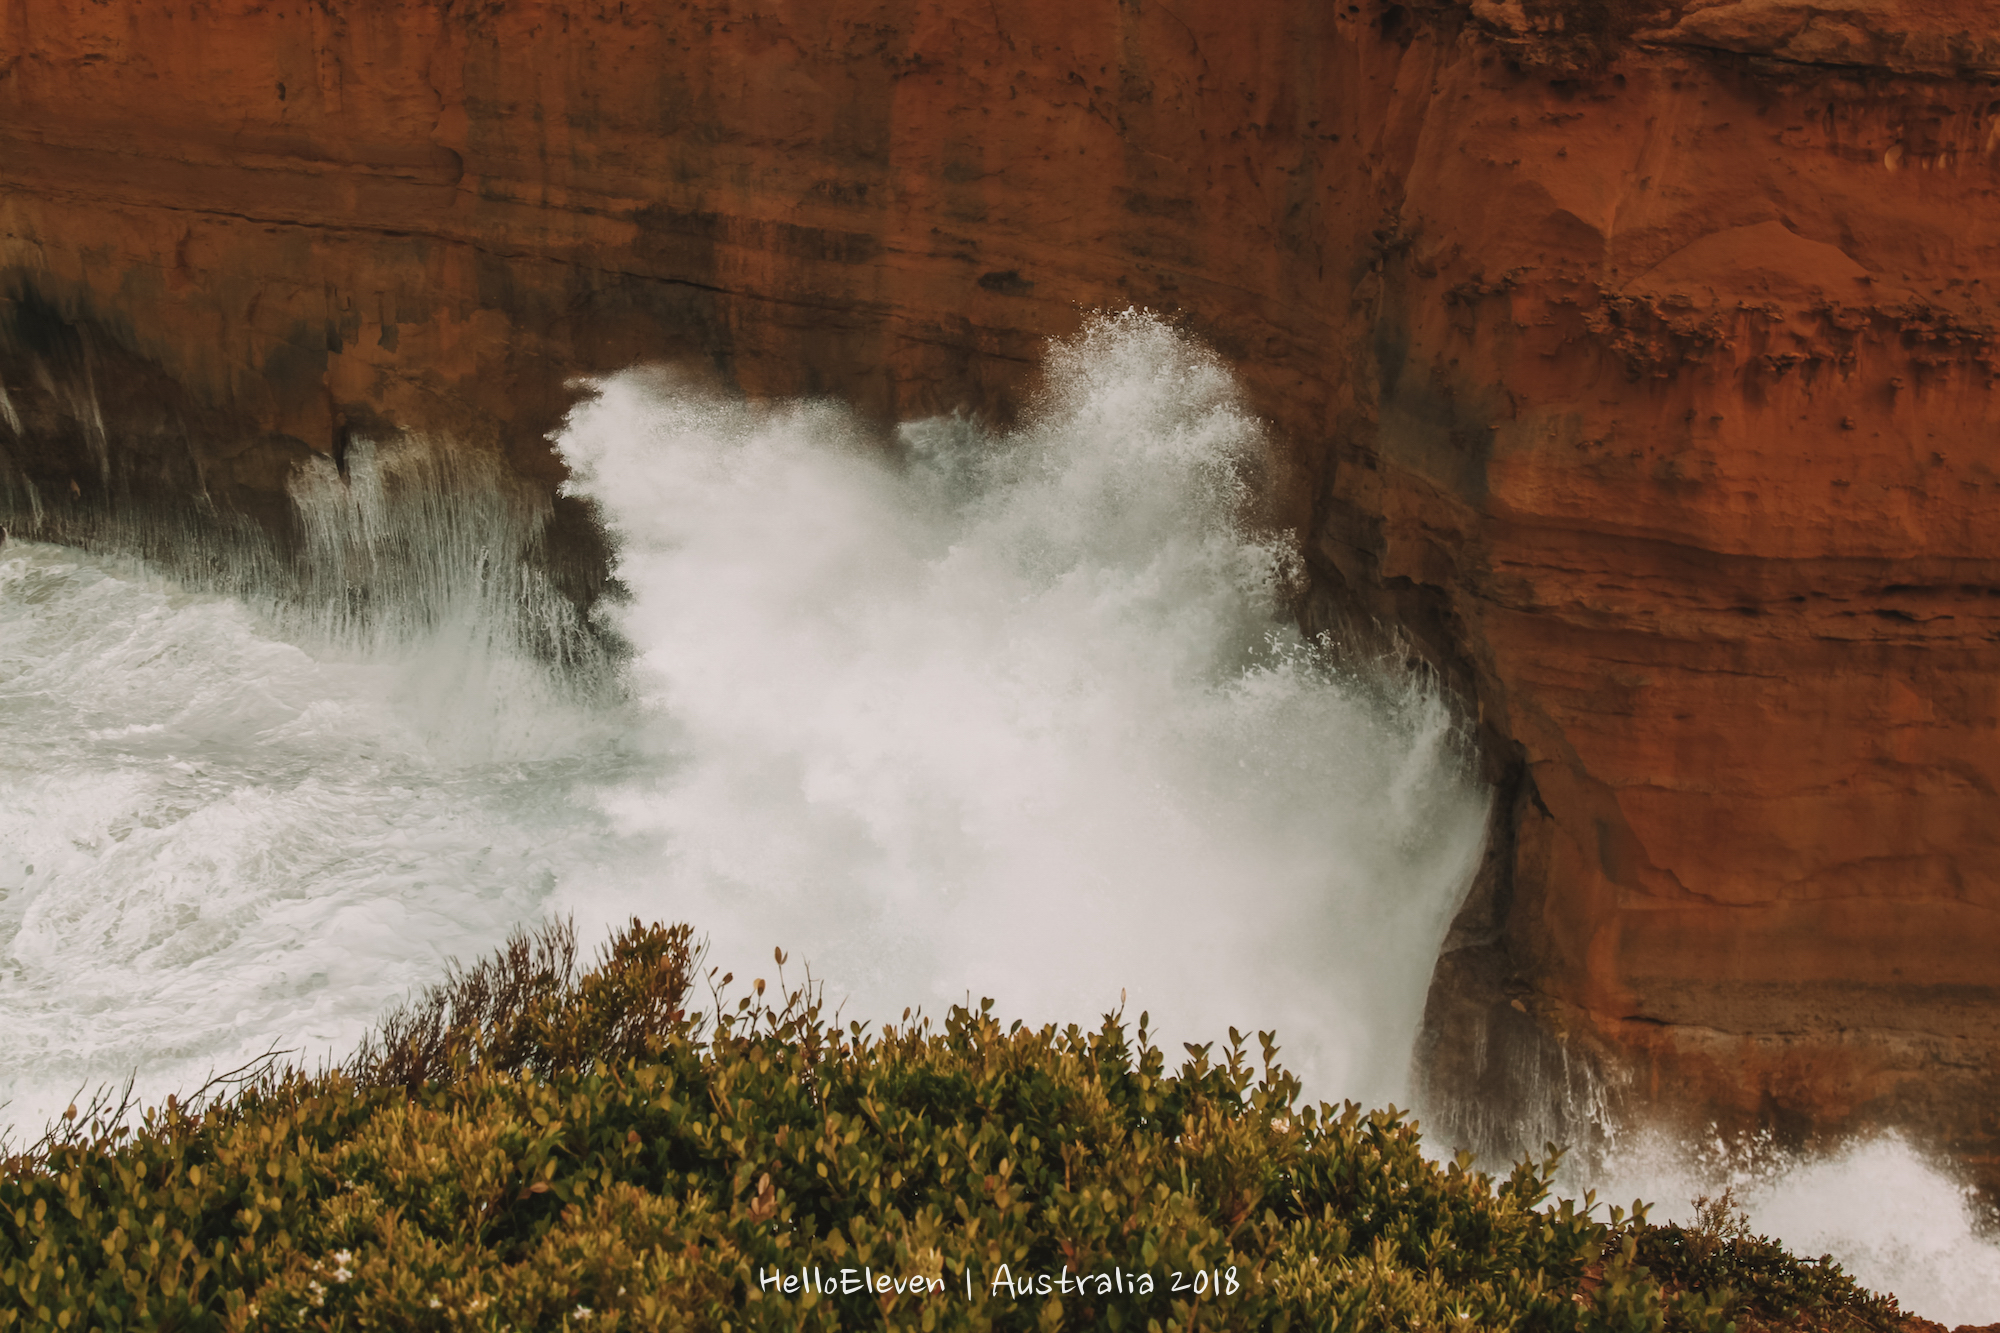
(1639, 365)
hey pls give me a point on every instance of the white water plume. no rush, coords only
(1020, 716)
(1010, 715)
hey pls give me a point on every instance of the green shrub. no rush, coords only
(1753, 1280)
(528, 1010)
(532, 1148)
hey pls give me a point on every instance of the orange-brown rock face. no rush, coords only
(1644, 377)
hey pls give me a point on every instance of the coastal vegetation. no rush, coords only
(538, 1144)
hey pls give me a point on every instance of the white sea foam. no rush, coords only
(212, 838)
(1895, 1220)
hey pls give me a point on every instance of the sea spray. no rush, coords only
(1895, 1219)
(946, 712)
(1020, 714)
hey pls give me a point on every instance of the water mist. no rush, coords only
(1020, 716)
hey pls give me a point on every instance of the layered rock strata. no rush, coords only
(1638, 366)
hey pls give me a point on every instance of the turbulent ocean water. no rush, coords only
(949, 715)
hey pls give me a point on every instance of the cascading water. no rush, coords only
(964, 715)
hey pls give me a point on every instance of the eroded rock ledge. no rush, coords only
(1639, 364)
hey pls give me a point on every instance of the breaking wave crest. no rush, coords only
(1023, 715)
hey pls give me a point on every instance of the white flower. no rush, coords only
(434, 1302)
(582, 1312)
(318, 1293)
